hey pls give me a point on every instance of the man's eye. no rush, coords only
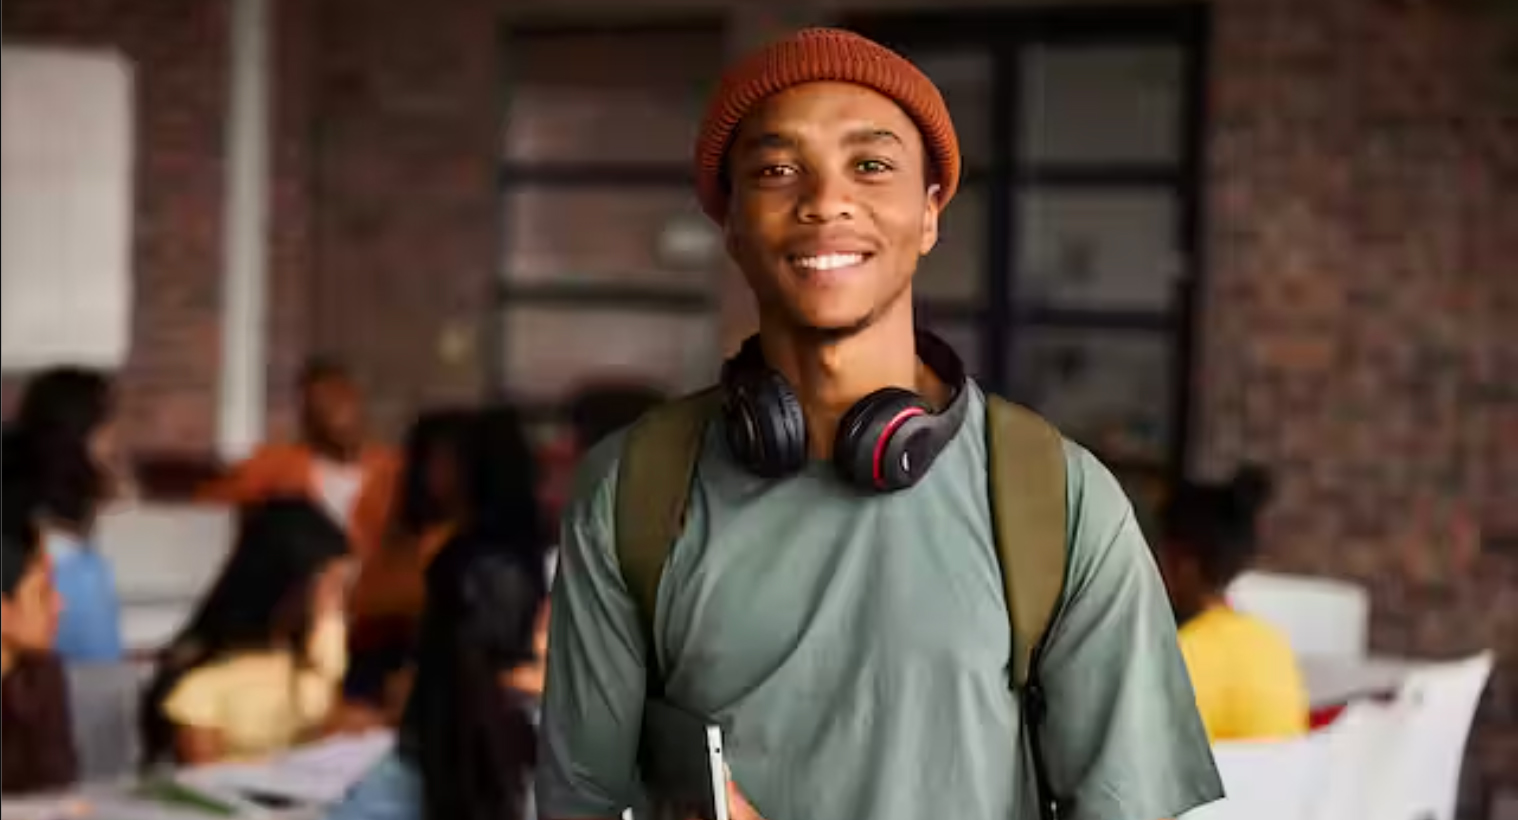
(873, 166)
(775, 172)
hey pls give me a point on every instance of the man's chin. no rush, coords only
(834, 329)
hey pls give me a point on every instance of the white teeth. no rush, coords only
(832, 261)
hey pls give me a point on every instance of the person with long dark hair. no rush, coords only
(1248, 685)
(500, 484)
(466, 745)
(390, 591)
(39, 749)
(257, 668)
(63, 448)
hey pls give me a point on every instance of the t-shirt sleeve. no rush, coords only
(1122, 737)
(245, 482)
(198, 701)
(593, 702)
(89, 629)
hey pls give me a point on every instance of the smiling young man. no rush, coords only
(834, 604)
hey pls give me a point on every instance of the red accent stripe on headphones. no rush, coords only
(885, 439)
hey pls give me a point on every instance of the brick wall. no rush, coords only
(292, 241)
(169, 381)
(406, 141)
(1359, 329)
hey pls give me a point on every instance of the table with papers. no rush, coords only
(308, 780)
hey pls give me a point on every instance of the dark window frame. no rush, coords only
(559, 175)
(1005, 34)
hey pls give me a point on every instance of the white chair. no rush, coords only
(1267, 781)
(165, 557)
(1337, 680)
(1328, 775)
(1419, 777)
(1397, 760)
(104, 703)
(1320, 616)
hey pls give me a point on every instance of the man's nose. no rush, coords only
(827, 197)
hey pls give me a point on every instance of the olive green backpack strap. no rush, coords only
(658, 464)
(1028, 512)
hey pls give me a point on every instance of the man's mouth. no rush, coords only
(829, 261)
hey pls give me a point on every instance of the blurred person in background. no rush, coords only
(37, 731)
(334, 464)
(467, 739)
(501, 505)
(1248, 685)
(390, 592)
(598, 411)
(595, 411)
(467, 742)
(63, 449)
(258, 668)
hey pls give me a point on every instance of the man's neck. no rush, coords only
(830, 376)
(7, 661)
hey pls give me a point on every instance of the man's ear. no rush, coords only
(930, 212)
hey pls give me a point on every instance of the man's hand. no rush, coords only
(738, 807)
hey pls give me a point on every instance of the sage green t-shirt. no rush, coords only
(854, 647)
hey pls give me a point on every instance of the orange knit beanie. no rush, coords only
(820, 55)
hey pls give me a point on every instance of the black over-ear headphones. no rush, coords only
(886, 442)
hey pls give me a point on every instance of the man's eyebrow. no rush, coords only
(769, 140)
(872, 135)
(776, 141)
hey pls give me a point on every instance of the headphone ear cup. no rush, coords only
(765, 427)
(862, 448)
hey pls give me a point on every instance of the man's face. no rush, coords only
(831, 207)
(334, 414)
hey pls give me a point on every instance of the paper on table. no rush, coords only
(53, 808)
(104, 804)
(318, 774)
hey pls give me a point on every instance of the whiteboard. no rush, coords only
(67, 201)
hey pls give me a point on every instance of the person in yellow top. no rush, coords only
(1247, 682)
(259, 666)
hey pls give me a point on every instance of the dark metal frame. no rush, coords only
(561, 175)
(1005, 34)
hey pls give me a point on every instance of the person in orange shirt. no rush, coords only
(1247, 682)
(334, 464)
